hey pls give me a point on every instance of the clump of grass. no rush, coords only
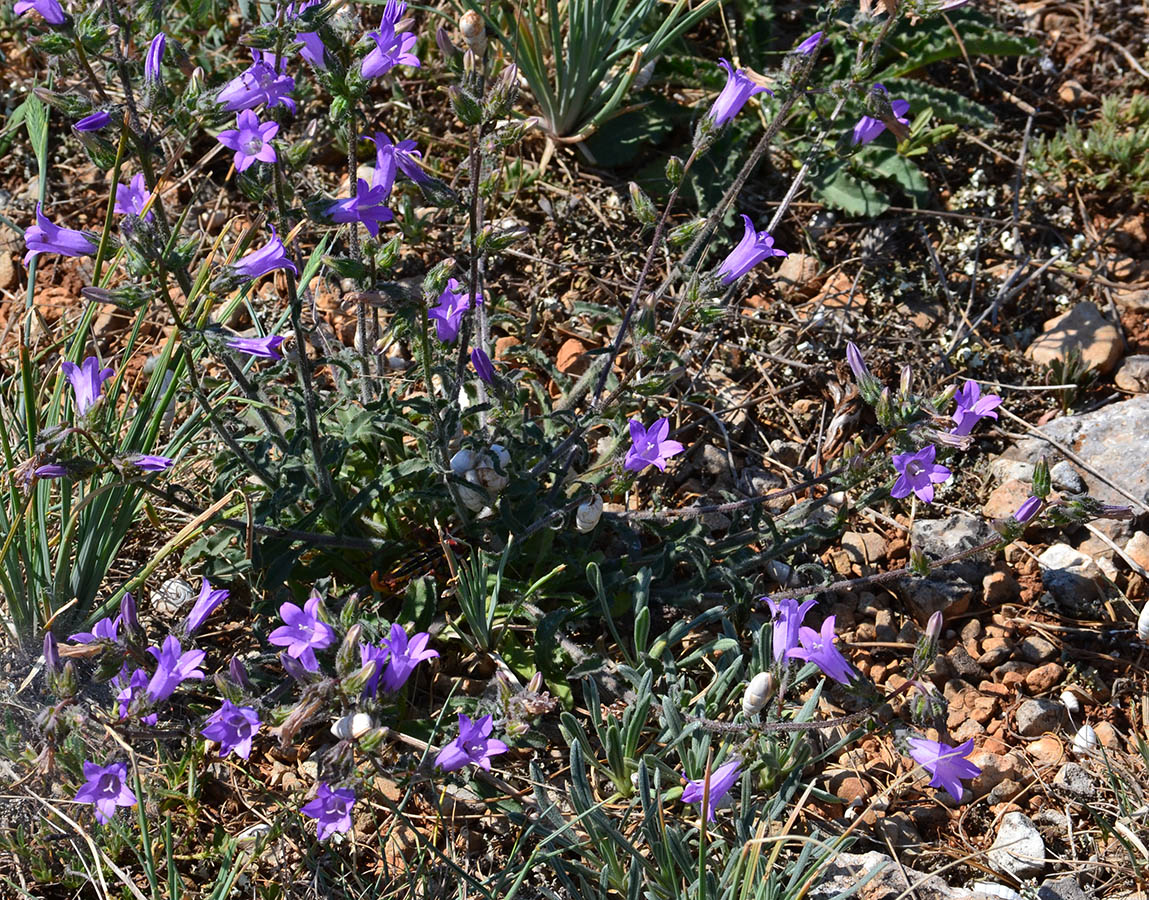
(1111, 154)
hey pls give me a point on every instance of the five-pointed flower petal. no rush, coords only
(948, 765)
(917, 472)
(721, 779)
(264, 347)
(787, 615)
(232, 727)
(271, 256)
(173, 666)
(818, 648)
(206, 603)
(405, 655)
(303, 633)
(473, 745)
(649, 446)
(44, 237)
(250, 139)
(754, 247)
(332, 809)
(972, 407)
(87, 380)
(106, 788)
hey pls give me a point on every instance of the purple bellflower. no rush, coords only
(809, 45)
(392, 48)
(787, 617)
(818, 648)
(649, 446)
(404, 154)
(250, 139)
(1028, 510)
(51, 470)
(739, 88)
(948, 765)
(368, 207)
(44, 237)
(312, 50)
(87, 380)
(232, 727)
(51, 10)
(107, 629)
(150, 462)
(94, 121)
(721, 779)
(259, 83)
(448, 315)
(405, 655)
(264, 347)
(484, 368)
(919, 473)
(131, 198)
(754, 247)
(473, 745)
(174, 666)
(130, 687)
(972, 407)
(268, 258)
(378, 655)
(206, 603)
(303, 633)
(106, 788)
(869, 128)
(332, 808)
(154, 59)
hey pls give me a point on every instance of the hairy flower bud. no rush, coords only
(347, 657)
(354, 684)
(919, 563)
(675, 171)
(683, 234)
(642, 205)
(1041, 481)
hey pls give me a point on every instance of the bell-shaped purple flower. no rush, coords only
(403, 656)
(721, 780)
(232, 727)
(809, 45)
(392, 48)
(332, 808)
(484, 368)
(87, 380)
(972, 407)
(649, 446)
(868, 128)
(754, 247)
(154, 59)
(206, 603)
(93, 122)
(250, 139)
(106, 788)
(948, 765)
(313, 50)
(368, 207)
(264, 347)
(378, 655)
(303, 633)
(259, 83)
(919, 473)
(173, 667)
(268, 258)
(150, 462)
(107, 629)
(44, 237)
(448, 315)
(1028, 509)
(132, 197)
(402, 155)
(818, 648)
(787, 616)
(51, 10)
(130, 688)
(474, 745)
(739, 88)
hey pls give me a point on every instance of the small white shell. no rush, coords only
(490, 477)
(1143, 623)
(588, 514)
(758, 693)
(1085, 741)
(473, 498)
(352, 726)
(463, 461)
(1072, 704)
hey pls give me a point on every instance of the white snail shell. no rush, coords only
(758, 693)
(1071, 703)
(1085, 741)
(352, 726)
(1143, 623)
(588, 514)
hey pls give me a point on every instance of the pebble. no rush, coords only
(1043, 678)
(1107, 735)
(1075, 781)
(1036, 649)
(1084, 329)
(1137, 549)
(1046, 750)
(1035, 717)
(995, 768)
(1068, 574)
(1000, 587)
(1063, 888)
(1133, 376)
(994, 652)
(1067, 478)
(1018, 849)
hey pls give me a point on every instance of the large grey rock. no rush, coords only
(1075, 781)
(949, 588)
(1018, 849)
(1063, 888)
(1110, 440)
(1070, 575)
(1066, 478)
(848, 869)
(1035, 717)
(944, 591)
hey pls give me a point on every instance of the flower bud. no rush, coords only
(1028, 510)
(675, 171)
(129, 621)
(354, 685)
(905, 383)
(919, 563)
(66, 682)
(228, 689)
(502, 95)
(683, 234)
(536, 683)
(758, 693)
(1041, 482)
(435, 280)
(51, 654)
(238, 673)
(294, 668)
(373, 738)
(347, 657)
(934, 627)
(588, 514)
(446, 46)
(642, 205)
